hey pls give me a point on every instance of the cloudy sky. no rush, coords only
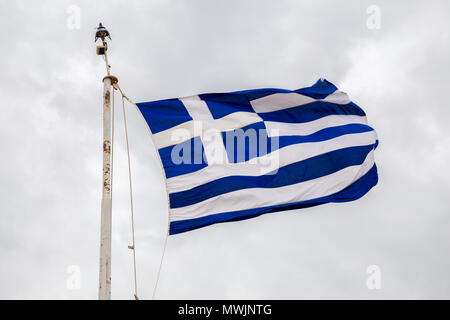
(51, 138)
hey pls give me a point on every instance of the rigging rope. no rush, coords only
(133, 243)
(160, 265)
(117, 87)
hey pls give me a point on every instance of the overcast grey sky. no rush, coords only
(51, 137)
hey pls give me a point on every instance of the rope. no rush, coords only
(160, 265)
(133, 243)
(116, 86)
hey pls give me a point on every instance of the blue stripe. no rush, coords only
(222, 104)
(351, 193)
(312, 111)
(233, 140)
(191, 152)
(164, 114)
(260, 93)
(304, 170)
(320, 90)
(324, 134)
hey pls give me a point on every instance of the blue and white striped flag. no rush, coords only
(234, 156)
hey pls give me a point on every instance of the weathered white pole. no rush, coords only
(104, 289)
(104, 292)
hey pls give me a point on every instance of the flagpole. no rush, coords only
(104, 289)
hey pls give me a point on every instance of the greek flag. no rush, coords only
(237, 155)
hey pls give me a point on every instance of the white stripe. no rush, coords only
(280, 101)
(269, 162)
(338, 97)
(279, 129)
(261, 197)
(188, 130)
